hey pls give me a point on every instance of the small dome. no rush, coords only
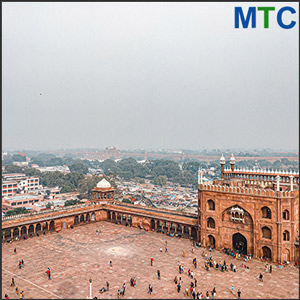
(222, 160)
(103, 184)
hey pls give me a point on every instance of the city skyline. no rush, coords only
(146, 75)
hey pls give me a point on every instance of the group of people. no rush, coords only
(13, 284)
(21, 263)
(121, 291)
(132, 282)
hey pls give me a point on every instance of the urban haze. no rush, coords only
(148, 75)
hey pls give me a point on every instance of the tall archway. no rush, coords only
(266, 252)
(158, 226)
(286, 235)
(93, 217)
(109, 215)
(113, 217)
(152, 224)
(87, 217)
(76, 220)
(7, 234)
(52, 226)
(30, 230)
(16, 233)
(119, 218)
(123, 219)
(81, 218)
(38, 228)
(186, 232)
(23, 231)
(194, 233)
(172, 228)
(286, 215)
(239, 242)
(286, 255)
(45, 227)
(211, 241)
(129, 218)
(179, 229)
(165, 227)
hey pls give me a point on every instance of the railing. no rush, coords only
(43, 212)
(245, 190)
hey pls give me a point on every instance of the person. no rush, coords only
(22, 261)
(234, 268)
(239, 294)
(195, 282)
(194, 294)
(183, 253)
(160, 249)
(178, 287)
(6, 296)
(166, 249)
(134, 282)
(97, 231)
(15, 251)
(186, 292)
(151, 290)
(20, 264)
(48, 273)
(231, 267)
(158, 274)
(17, 290)
(261, 277)
(192, 274)
(207, 295)
(107, 285)
(232, 289)
(270, 268)
(151, 261)
(175, 279)
(110, 263)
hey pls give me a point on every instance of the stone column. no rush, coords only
(279, 224)
(12, 234)
(190, 230)
(20, 232)
(292, 235)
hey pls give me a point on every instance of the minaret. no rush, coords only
(292, 182)
(146, 155)
(277, 183)
(222, 163)
(232, 162)
(200, 176)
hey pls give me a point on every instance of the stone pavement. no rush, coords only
(76, 255)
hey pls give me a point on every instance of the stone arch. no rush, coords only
(7, 234)
(186, 231)
(239, 242)
(152, 224)
(38, 228)
(76, 220)
(87, 217)
(165, 227)
(16, 232)
(286, 235)
(119, 217)
(23, 231)
(113, 216)
(211, 223)
(211, 241)
(93, 217)
(211, 205)
(266, 212)
(81, 218)
(194, 233)
(52, 226)
(124, 219)
(266, 252)
(172, 228)
(286, 215)
(129, 220)
(109, 215)
(179, 229)
(266, 232)
(286, 255)
(30, 230)
(158, 225)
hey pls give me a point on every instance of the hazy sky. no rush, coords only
(147, 75)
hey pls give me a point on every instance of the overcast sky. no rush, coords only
(147, 75)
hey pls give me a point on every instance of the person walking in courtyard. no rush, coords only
(195, 282)
(20, 264)
(158, 274)
(12, 282)
(166, 249)
(22, 261)
(15, 251)
(107, 285)
(17, 290)
(110, 263)
(6, 296)
(261, 277)
(22, 295)
(151, 261)
(207, 295)
(232, 289)
(48, 273)
(178, 287)
(270, 268)
(239, 294)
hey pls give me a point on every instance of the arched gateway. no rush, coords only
(239, 242)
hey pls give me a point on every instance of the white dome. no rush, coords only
(103, 184)
(232, 159)
(222, 160)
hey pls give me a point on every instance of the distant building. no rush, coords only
(20, 201)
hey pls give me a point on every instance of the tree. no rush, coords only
(72, 202)
(17, 211)
(78, 167)
(160, 180)
(86, 185)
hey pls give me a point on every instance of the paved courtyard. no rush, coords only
(76, 255)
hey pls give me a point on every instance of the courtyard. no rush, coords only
(77, 255)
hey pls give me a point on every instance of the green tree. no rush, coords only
(72, 202)
(17, 211)
(79, 168)
(160, 180)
